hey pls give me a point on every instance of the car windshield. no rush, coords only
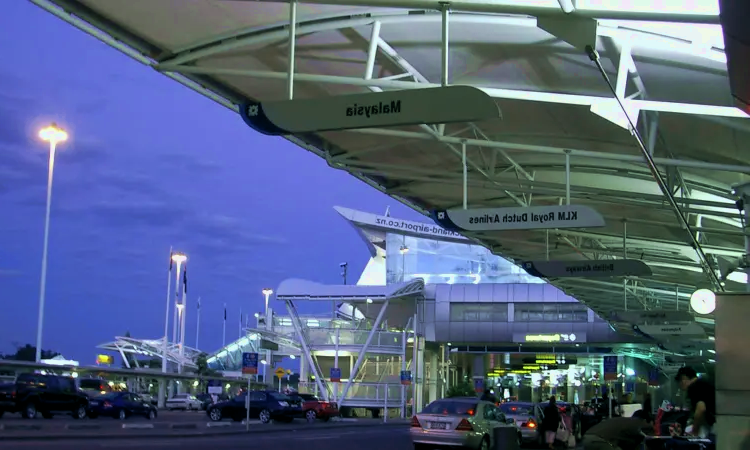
(516, 409)
(451, 407)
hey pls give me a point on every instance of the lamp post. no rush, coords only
(179, 259)
(52, 134)
(267, 293)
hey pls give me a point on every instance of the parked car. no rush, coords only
(313, 408)
(93, 386)
(205, 400)
(45, 394)
(121, 405)
(187, 402)
(264, 405)
(464, 422)
(528, 417)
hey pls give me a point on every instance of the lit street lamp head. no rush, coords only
(53, 134)
(179, 258)
(267, 291)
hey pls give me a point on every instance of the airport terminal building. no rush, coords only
(430, 310)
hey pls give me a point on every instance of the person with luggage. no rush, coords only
(619, 433)
(702, 396)
(551, 422)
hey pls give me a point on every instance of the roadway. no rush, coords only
(361, 438)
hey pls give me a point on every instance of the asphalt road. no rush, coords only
(361, 438)
(164, 416)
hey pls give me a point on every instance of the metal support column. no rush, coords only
(743, 192)
(466, 175)
(445, 47)
(372, 51)
(363, 353)
(625, 256)
(292, 43)
(567, 177)
(306, 350)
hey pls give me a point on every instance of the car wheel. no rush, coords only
(311, 415)
(214, 414)
(29, 411)
(189, 407)
(151, 415)
(80, 412)
(121, 415)
(264, 416)
(485, 444)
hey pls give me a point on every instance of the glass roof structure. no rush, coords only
(561, 135)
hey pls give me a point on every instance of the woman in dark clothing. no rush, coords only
(551, 422)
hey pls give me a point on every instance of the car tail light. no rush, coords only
(13, 394)
(470, 412)
(464, 425)
(415, 422)
(530, 424)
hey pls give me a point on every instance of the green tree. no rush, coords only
(28, 353)
(461, 390)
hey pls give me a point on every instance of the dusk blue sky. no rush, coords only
(149, 164)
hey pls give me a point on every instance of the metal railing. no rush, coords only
(371, 393)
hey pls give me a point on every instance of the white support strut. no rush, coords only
(292, 45)
(363, 353)
(306, 350)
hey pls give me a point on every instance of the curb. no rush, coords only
(222, 431)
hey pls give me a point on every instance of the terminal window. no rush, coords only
(550, 312)
(479, 312)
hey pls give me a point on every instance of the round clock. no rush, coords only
(703, 301)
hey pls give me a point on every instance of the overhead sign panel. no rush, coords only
(528, 218)
(653, 316)
(378, 109)
(681, 330)
(601, 268)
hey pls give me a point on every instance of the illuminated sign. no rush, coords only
(562, 338)
(105, 359)
(532, 367)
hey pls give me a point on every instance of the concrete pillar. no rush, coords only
(420, 373)
(732, 358)
(433, 388)
(477, 371)
(303, 377)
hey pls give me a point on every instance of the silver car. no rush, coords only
(459, 422)
(528, 417)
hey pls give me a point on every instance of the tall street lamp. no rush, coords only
(54, 135)
(267, 293)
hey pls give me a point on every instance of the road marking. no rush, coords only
(151, 444)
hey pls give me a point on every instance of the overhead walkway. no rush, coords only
(152, 348)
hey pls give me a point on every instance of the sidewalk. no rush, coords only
(32, 432)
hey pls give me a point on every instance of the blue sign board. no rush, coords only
(653, 377)
(406, 377)
(249, 363)
(335, 374)
(610, 368)
(478, 384)
(630, 386)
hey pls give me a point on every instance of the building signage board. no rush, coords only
(528, 218)
(685, 329)
(560, 338)
(600, 268)
(610, 368)
(652, 316)
(406, 377)
(370, 110)
(478, 384)
(653, 377)
(249, 363)
(335, 374)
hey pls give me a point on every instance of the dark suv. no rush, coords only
(45, 394)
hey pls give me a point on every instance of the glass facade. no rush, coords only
(479, 312)
(437, 262)
(550, 312)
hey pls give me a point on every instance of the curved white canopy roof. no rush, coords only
(668, 67)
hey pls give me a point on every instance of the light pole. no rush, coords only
(267, 292)
(52, 134)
